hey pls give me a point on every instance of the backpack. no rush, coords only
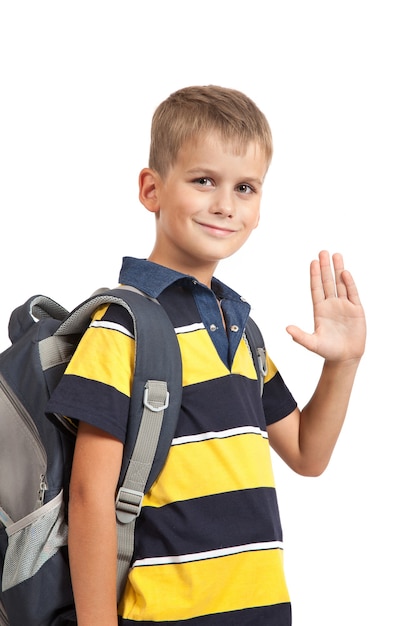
(36, 454)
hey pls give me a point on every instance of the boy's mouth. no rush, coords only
(215, 229)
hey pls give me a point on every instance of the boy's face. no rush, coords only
(206, 206)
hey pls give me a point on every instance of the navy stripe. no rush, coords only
(105, 404)
(277, 614)
(180, 305)
(277, 399)
(234, 401)
(209, 523)
(118, 314)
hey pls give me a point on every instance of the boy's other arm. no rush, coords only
(305, 440)
(92, 536)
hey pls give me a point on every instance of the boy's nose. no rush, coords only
(223, 204)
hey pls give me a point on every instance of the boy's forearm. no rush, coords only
(322, 418)
(93, 555)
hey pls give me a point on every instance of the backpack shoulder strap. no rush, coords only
(257, 347)
(154, 405)
(158, 393)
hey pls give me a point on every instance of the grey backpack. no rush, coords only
(36, 455)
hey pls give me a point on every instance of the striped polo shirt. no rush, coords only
(208, 542)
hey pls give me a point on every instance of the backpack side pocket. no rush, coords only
(36, 581)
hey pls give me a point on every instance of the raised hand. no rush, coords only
(339, 320)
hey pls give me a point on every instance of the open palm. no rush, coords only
(339, 320)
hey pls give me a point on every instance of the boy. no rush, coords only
(208, 544)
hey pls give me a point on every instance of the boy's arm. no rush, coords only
(92, 537)
(305, 440)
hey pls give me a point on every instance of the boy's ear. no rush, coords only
(148, 189)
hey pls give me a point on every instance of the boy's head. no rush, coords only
(193, 112)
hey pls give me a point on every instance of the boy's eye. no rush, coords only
(203, 181)
(244, 188)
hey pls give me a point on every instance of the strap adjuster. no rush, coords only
(155, 405)
(128, 505)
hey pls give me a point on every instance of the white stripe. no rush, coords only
(111, 326)
(222, 434)
(190, 328)
(210, 554)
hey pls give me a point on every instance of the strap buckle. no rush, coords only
(155, 405)
(128, 505)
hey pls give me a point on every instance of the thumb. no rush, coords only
(301, 337)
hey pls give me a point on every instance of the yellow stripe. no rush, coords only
(243, 362)
(175, 592)
(212, 464)
(91, 359)
(200, 359)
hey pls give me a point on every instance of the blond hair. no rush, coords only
(192, 112)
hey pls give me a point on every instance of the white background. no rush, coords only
(337, 80)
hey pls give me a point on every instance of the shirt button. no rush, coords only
(234, 328)
(213, 327)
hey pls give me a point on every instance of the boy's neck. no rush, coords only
(203, 274)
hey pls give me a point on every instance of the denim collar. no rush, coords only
(153, 279)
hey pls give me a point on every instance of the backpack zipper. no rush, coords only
(43, 486)
(26, 420)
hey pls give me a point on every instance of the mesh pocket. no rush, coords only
(34, 540)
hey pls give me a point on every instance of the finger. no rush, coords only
(327, 277)
(316, 284)
(304, 339)
(350, 286)
(338, 266)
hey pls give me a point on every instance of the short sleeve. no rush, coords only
(277, 399)
(97, 383)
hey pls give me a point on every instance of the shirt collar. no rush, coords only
(153, 279)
